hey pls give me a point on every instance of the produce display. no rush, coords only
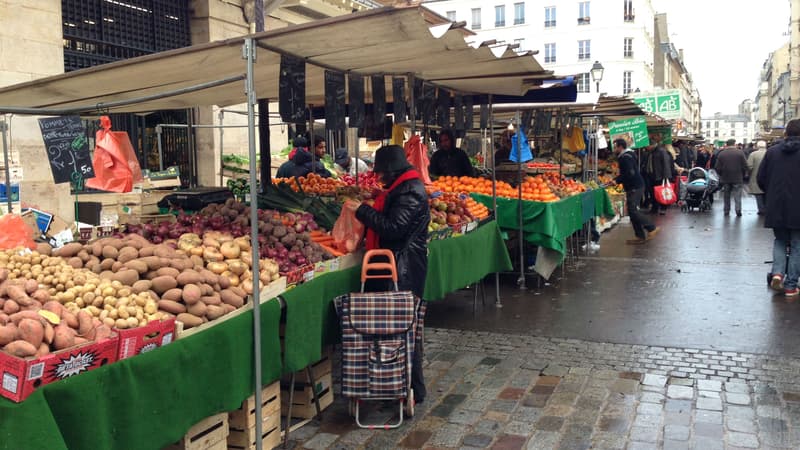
(454, 209)
(366, 180)
(312, 184)
(281, 197)
(546, 187)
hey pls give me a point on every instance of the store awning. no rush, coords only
(389, 41)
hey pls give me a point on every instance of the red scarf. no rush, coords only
(373, 240)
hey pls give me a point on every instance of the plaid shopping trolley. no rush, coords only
(379, 330)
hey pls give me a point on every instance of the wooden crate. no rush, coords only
(303, 406)
(210, 433)
(245, 417)
(270, 435)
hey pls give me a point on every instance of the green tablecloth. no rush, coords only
(549, 224)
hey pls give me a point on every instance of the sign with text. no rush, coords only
(292, 90)
(666, 104)
(334, 101)
(634, 131)
(67, 148)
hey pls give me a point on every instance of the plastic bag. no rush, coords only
(14, 232)
(348, 232)
(115, 164)
(664, 194)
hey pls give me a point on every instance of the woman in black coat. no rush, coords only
(398, 221)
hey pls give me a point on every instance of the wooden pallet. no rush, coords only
(245, 417)
(303, 406)
(210, 433)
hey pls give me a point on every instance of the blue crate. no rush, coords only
(14, 192)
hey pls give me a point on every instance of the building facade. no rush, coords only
(774, 101)
(721, 127)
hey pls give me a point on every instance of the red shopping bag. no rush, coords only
(664, 194)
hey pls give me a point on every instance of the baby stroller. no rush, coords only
(698, 191)
(379, 332)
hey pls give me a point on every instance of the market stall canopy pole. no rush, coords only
(385, 41)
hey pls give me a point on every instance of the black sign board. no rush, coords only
(355, 86)
(468, 112)
(292, 90)
(443, 108)
(484, 117)
(428, 103)
(458, 110)
(67, 148)
(378, 98)
(399, 99)
(334, 101)
(418, 97)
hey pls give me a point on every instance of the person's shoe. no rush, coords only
(791, 292)
(594, 246)
(652, 233)
(738, 214)
(776, 282)
(636, 241)
(727, 213)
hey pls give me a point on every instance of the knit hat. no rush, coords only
(341, 157)
(391, 158)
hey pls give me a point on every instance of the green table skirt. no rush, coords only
(549, 224)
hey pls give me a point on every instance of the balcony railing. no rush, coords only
(584, 20)
(499, 23)
(519, 21)
(549, 23)
(629, 17)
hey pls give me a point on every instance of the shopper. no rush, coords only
(306, 164)
(631, 179)
(753, 163)
(702, 157)
(399, 221)
(731, 166)
(659, 169)
(778, 178)
(289, 168)
(449, 160)
(347, 165)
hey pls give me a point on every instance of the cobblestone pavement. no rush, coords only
(503, 391)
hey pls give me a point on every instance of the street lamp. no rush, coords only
(597, 74)
(784, 102)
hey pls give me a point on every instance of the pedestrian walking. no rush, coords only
(631, 179)
(753, 163)
(702, 157)
(731, 166)
(778, 178)
(659, 169)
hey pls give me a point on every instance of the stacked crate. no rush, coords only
(210, 433)
(243, 421)
(303, 406)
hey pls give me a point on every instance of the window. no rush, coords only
(550, 53)
(716, 133)
(716, 124)
(521, 43)
(583, 13)
(476, 18)
(583, 82)
(733, 132)
(584, 49)
(628, 14)
(626, 82)
(519, 13)
(627, 51)
(451, 16)
(549, 16)
(500, 16)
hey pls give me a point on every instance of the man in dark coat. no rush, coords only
(305, 164)
(779, 178)
(449, 160)
(731, 166)
(631, 179)
(659, 169)
(399, 222)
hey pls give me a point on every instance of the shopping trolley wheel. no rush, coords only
(409, 407)
(351, 407)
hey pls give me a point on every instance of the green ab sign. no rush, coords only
(634, 131)
(666, 104)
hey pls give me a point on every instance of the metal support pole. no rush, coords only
(250, 55)
(289, 412)
(497, 302)
(519, 203)
(160, 150)
(4, 130)
(265, 166)
(312, 146)
(221, 147)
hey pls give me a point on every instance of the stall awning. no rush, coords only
(389, 41)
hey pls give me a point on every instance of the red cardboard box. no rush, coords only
(19, 377)
(143, 339)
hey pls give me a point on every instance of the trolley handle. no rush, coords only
(368, 265)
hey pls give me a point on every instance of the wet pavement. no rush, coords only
(676, 344)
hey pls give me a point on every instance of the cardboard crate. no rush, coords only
(303, 406)
(21, 376)
(242, 422)
(210, 433)
(144, 339)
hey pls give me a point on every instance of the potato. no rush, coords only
(84, 322)
(168, 272)
(31, 286)
(41, 295)
(142, 286)
(10, 307)
(189, 320)
(15, 292)
(238, 291)
(69, 318)
(228, 308)
(126, 276)
(127, 254)
(117, 266)
(214, 312)
(4, 318)
(213, 299)
(198, 309)
(17, 317)
(224, 282)
(231, 298)
(44, 349)
(137, 265)
(49, 333)
(175, 294)
(20, 348)
(54, 307)
(191, 294)
(31, 331)
(162, 284)
(7, 334)
(69, 250)
(107, 263)
(110, 252)
(64, 337)
(44, 248)
(171, 306)
(190, 277)
(146, 251)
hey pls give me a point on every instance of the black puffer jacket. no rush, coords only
(403, 228)
(302, 160)
(779, 178)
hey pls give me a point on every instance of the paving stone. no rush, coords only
(509, 442)
(448, 404)
(625, 386)
(580, 371)
(526, 414)
(497, 416)
(321, 441)
(675, 445)
(770, 411)
(488, 427)
(488, 361)
(793, 397)
(477, 440)
(644, 434)
(737, 387)
(637, 445)
(563, 398)
(631, 375)
(555, 370)
(703, 443)
(741, 425)
(714, 417)
(535, 400)
(642, 420)
(511, 394)
(742, 412)
(547, 380)
(544, 440)
(680, 392)
(678, 418)
(613, 424)
(681, 381)
(542, 389)
(677, 405)
(743, 440)
(712, 404)
(504, 406)
(519, 428)
(557, 410)
(448, 434)
(549, 423)
(709, 430)
(737, 398)
(608, 441)
(417, 439)
(464, 416)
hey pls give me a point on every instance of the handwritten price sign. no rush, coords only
(67, 148)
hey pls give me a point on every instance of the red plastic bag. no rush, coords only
(115, 165)
(417, 155)
(664, 194)
(14, 232)
(348, 232)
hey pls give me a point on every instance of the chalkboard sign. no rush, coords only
(418, 97)
(458, 110)
(469, 115)
(428, 102)
(443, 108)
(399, 99)
(67, 148)
(484, 117)
(334, 101)
(378, 98)
(355, 86)
(292, 90)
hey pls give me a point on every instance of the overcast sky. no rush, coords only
(725, 44)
